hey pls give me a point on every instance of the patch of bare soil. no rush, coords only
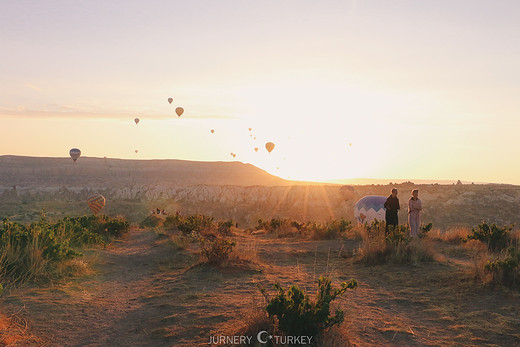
(148, 292)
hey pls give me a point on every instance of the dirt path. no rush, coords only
(101, 309)
(145, 291)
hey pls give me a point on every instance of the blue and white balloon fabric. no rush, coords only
(370, 207)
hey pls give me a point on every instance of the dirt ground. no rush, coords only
(145, 291)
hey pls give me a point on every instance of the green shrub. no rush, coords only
(507, 269)
(396, 246)
(224, 227)
(297, 315)
(275, 225)
(217, 250)
(425, 229)
(26, 250)
(194, 224)
(495, 237)
(172, 221)
(333, 229)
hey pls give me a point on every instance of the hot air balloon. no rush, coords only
(256, 149)
(74, 154)
(269, 146)
(96, 203)
(179, 111)
(369, 208)
(250, 129)
(170, 100)
(212, 131)
(136, 150)
(136, 120)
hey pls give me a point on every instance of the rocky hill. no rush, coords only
(36, 172)
(225, 190)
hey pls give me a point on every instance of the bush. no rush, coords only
(25, 251)
(396, 246)
(495, 237)
(194, 224)
(224, 227)
(172, 221)
(217, 250)
(331, 230)
(425, 229)
(507, 269)
(297, 315)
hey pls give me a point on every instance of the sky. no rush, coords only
(345, 89)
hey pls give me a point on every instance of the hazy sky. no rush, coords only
(381, 89)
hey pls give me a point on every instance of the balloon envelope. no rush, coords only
(96, 203)
(370, 207)
(269, 146)
(74, 154)
(212, 131)
(170, 100)
(256, 149)
(136, 120)
(179, 111)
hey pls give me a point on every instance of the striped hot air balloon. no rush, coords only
(74, 154)
(370, 207)
(96, 203)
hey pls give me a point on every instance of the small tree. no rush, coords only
(298, 315)
(497, 238)
(217, 250)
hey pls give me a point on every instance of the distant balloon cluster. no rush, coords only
(96, 203)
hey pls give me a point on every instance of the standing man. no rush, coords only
(392, 207)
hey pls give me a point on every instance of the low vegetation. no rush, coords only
(497, 238)
(396, 246)
(27, 251)
(296, 314)
(331, 229)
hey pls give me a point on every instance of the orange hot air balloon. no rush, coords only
(170, 100)
(250, 129)
(136, 150)
(96, 203)
(269, 146)
(256, 149)
(212, 131)
(74, 154)
(179, 111)
(136, 120)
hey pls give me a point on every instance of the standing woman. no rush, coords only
(414, 213)
(392, 207)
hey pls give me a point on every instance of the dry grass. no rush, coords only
(179, 241)
(376, 248)
(21, 264)
(245, 251)
(451, 235)
(71, 268)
